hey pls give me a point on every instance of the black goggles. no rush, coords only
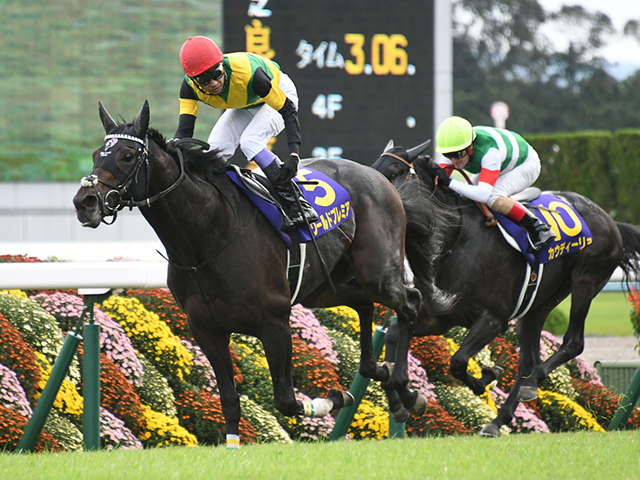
(457, 155)
(214, 73)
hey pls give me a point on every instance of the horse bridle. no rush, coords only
(112, 201)
(400, 159)
(389, 154)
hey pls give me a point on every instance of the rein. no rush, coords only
(490, 218)
(388, 154)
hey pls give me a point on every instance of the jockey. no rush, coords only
(258, 100)
(503, 163)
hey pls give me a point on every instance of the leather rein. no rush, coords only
(490, 218)
(400, 159)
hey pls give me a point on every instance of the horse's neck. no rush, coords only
(183, 219)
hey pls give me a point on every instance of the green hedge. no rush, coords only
(600, 165)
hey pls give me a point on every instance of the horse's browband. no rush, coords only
(125, 137)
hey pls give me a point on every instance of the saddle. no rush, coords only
(258, 185)
(331, 201)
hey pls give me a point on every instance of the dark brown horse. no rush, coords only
(458, 257)
(227, 264)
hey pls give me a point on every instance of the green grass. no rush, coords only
(609, 315)
(581, 455)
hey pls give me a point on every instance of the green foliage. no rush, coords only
(557, 322)
(577, 162)
(59, 59)
(64, 431)
(625, 163)
(155, 390)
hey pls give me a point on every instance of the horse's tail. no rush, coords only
(427, 221)
(630, 263)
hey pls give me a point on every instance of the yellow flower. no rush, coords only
(163, 430)
(15, 293)
(68, 400)
(584, 418)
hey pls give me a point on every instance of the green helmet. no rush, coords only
(453, 135)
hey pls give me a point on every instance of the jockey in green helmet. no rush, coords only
(502, 164)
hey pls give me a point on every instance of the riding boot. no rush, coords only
(289, 192)
(539, 233)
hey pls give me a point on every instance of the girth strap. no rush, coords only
(529, 291)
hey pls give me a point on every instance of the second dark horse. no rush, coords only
(453, 254)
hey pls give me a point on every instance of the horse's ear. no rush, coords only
(107, 122)
(415, 151)
(141, 123)
(389, 146)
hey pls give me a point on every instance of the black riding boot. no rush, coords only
(289, 192)
(539, 233)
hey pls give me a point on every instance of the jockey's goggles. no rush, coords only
(457, 155)
(214, 73)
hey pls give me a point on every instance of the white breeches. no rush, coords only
(250, 128)
(518, 179)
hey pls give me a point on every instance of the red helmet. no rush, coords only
(199, 54)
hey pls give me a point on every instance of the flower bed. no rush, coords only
(158, 389)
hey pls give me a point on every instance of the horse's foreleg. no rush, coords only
(276, 339)
(485, 329)
(572, 342)
(400, 414)
(278, 348)
(369, 367)
(414, 401)
(216, 349)
(529, 340)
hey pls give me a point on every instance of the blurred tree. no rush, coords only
(501, 52)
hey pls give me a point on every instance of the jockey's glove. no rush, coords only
(438, 174)
(443, 178)
(289, 169)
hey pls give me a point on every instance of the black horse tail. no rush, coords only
(630, 263)
(427, 221)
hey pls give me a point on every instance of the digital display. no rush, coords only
(363, 69)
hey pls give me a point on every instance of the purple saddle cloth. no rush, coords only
(330, 200)
(572, 233)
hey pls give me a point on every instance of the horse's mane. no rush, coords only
(428, 222)
(198, 160)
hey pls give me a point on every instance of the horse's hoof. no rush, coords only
(526, 394)
(419, 407)
(385, 366)
(400, 416)
(340, 398)
(490, 430)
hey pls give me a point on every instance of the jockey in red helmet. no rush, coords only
(259, 101)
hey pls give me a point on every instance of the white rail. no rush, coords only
(63, 275)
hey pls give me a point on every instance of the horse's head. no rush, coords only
(121, 170)
(397, 162)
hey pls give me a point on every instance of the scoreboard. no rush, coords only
(364, 69)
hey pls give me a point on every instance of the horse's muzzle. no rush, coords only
(87, 207)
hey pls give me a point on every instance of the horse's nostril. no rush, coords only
(87, 201)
